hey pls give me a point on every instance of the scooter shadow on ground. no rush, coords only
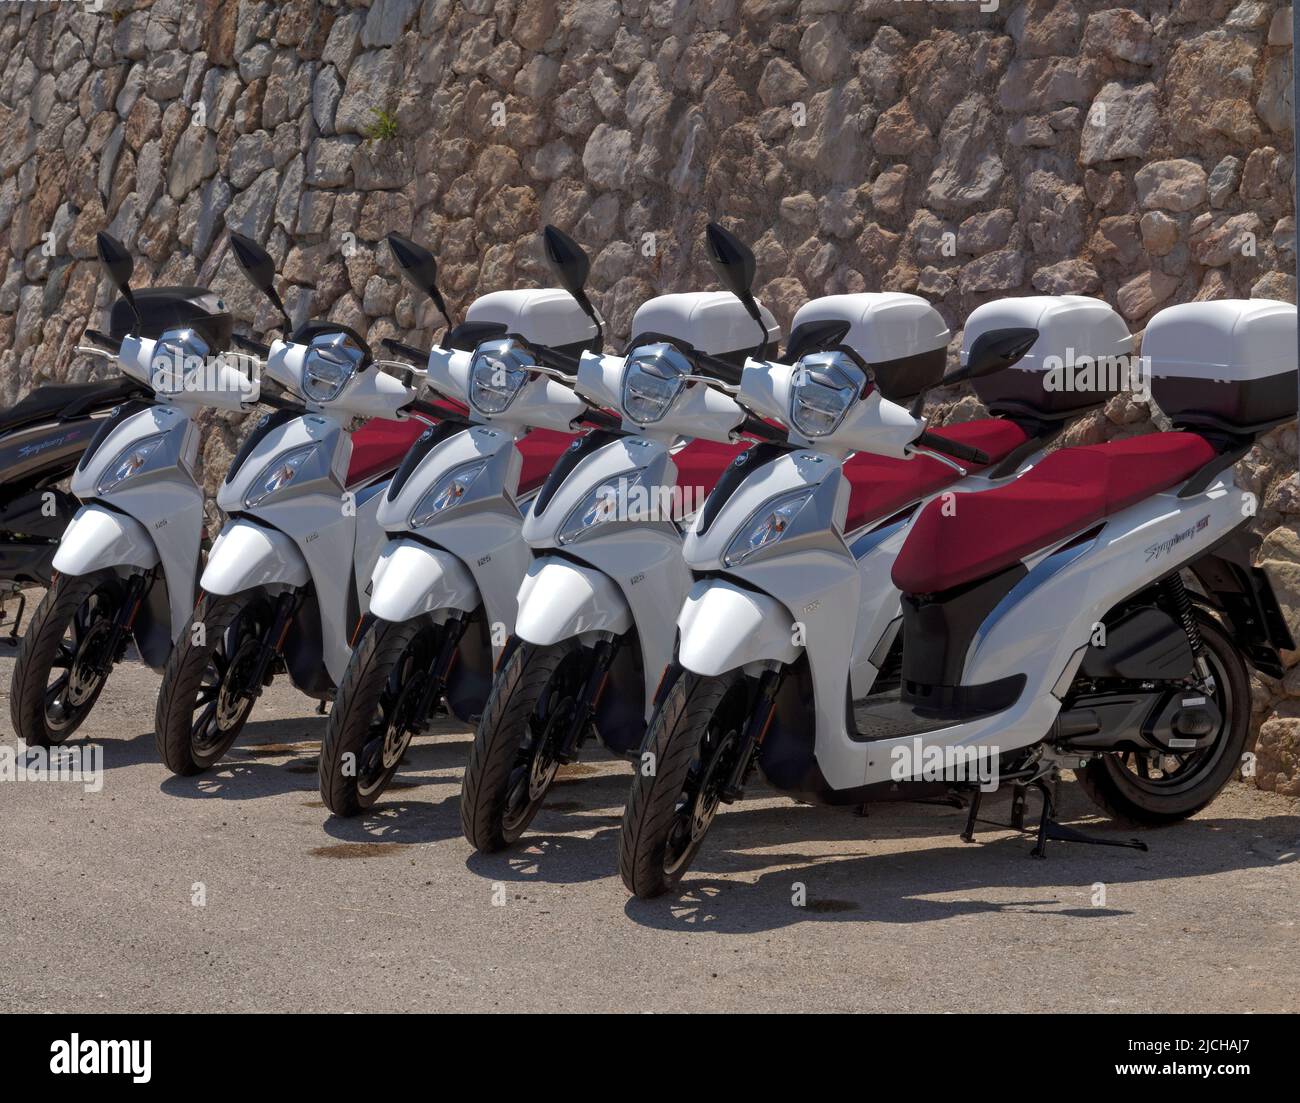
(893, 887)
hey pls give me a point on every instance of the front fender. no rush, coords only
(724, 627)
(559, 599)
(98, 538)
(247, 555)
(411, 578)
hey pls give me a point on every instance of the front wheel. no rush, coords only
(690, 752)
(63, 660)
(515, 758)
(207, 691)
(376, 713)
(1154, 789)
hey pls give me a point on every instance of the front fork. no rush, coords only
(603, 655)
(285, 607)
(757, 721)
(439, 672)
(101, 663)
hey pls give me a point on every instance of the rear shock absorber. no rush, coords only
(1180, 605)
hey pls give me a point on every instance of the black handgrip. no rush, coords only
(755, 427)
(599, 419)
(433, 410)
(103, 340)
(958, 451)
(249, 345)
(401, 348)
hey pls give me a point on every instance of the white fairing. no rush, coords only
(542, 402)
(369, 393)
(726, 627)
(97, 538)
(574, 600)
(162, 497)
(701, 412)
(216, 384)
(481, 533)
(247, 555)
(412, 578)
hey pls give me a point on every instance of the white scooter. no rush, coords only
(1059, 588)
(127, 563)
(442, 600)
(285, 582)
(595, 627)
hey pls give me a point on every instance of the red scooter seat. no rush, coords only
(1068, 491)
(541, 450)
(378, 447)
(881, 485)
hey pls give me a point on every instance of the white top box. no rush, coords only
(714, 322)
(545, 315)
(1227, 341)
(884, 325)
(1067, 325)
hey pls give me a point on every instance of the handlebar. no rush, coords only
(258, 349)
(401, 348)
(953, 448)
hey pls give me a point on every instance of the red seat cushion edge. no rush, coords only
(1064, 494)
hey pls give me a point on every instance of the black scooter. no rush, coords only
(41, 439)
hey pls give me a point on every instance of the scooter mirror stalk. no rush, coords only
(118, 264)
(733, 262)
(571, 265)
(993, 351)
(257, 265)
(420, 270)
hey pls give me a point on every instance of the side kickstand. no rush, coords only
(1048, 828)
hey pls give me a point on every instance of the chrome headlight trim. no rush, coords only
(823, 388)
(653, 377)
(497, 373)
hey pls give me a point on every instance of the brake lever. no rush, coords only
(912, 450)
(92, 350)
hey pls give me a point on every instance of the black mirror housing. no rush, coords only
(419, 269)
(572, 266)
(993, 351)
(814, 336)
(256, 263)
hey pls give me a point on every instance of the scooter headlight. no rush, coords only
(823, 387)
(278, 474)
(766, 526)
(652, 380)
(620, 498)
(497, 374)
(177, 353)
(332, 360)
(447, 493)
(130, 463)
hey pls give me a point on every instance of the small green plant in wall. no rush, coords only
(384, 128)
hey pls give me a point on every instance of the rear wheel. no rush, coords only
(1155, 789)
(63, 661)
(207, 691)
(375, 714)
(693, 742)
(525, 724)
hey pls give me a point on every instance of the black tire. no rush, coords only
(508, 760)
(76, 611)
(1116, 784)
(689, 738)
(195, 722)
(365, 736)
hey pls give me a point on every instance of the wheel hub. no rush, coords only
(709, 796)
(235, 698)
(85, 674)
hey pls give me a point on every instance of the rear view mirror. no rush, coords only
(257, 265)
(419, 268)
(733, 262)
(119, 265)
(993, 351)
(814, 336)
(571, 265)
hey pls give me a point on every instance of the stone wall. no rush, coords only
(1142, 153)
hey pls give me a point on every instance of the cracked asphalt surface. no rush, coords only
(393, 912)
